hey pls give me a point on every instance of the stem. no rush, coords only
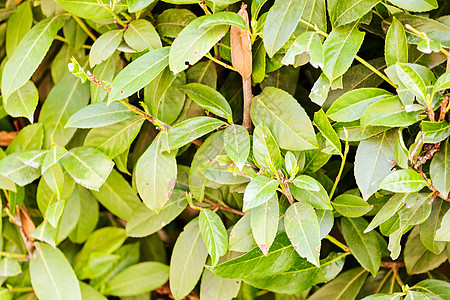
(224, 208)
(116, 17)
(12, 255)
(361, 60)
(344, 158)
(84, 27)
(285, 186)
(394, 266)
(219, 62)
(337, 243)
(60, 38)
(247, 90)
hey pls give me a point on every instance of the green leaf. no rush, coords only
(16, 170)
(88, 292)
(105, 71)
(307, 183)
(347, 11)
(403, 181)
(396, 46)
(45, 233)
(303, 231)
(443, 233)
(188, 257)
(32, 158)
(74, 34)
(416, 5)
(117, 196)
(89, 9)
(302, 275)
(389, 112)
(115, 139)
(105, 46)
(280, 23)
(223, 172)
(214, 234)
(144, 222)
(318, 199)
(53, 156)
(387, 211)
(364, 246)
(54, 212)
(29, 138)
(308, 42)
(136, 5)
(264, 223)
(237, 144)
(265, 149)
(433, 286)
(67, 97)
(351, 206)
(372, 161)
(324, 126)
(340, 49)
(193, 43)
(419, 259)
(412, 80)
(54, 178)
(430, 226)
(9, 267)
(87, 166)
(23, 101)
(171, 21)
(285, 118)
(259, 191)
(209, 99)
(141, 34)
(241, 236)
(254, 264)
(138, 74)
(442, 83)
(351, 105)
(89, 217)
(99, 115)
(224, 18)
(214, 287)
(138, 279)
(156, 173)
(191, 129)
(435, 132)
(440, 169)
(52, 276)
(29, 54)
(18, 25)
(345, 286)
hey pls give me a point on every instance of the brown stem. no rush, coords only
(444, 105)
(286, 190)
(247, 90)
(394, 266)
(224, 208)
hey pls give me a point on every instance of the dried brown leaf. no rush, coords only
(241, 46)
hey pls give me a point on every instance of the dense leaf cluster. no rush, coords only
(126, 172)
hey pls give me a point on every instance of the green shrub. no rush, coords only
(126, 172)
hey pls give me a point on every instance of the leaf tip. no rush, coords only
(264, 249)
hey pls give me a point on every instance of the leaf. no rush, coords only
(141, 34)
(440, 169)
(443, 233)
(136, 5)
(302, 275)
(351, 206)
(348, 11)
(324, 126)
(17, 171)
(105, 46)
(29, 138)
(67, 97)
(264, 223)
(403, 181)
(32, 158)
(436, 287)
(345, 286)
(89, 217)
(307, 183)
(416, 5)
(280, 23)
(285, 118)
(18, 25)
(309, 43)
(435, 132)
(115, 139)
(138, 74)
(442, 83)
(224, 18)
(87, 166)
(99, 115)
(117, 196)
(303, 231)
(237, 144)
(9, 267)
(318, 199)
(417, 258)
(216, 288)
(53, 156)
(259, 191)
(430, 226)
(372, 161)
(340, 49)
(241, 236)
(52, 276)
(193, 43)
(241, 45)
(387, 211)
(224, 173)
(45, 233)
(156, 174)
(105, 71)
(23, 101)
(191, 129)
(171, 21)
(188, 257)
(412, 80)
(364, 246)
(209, 99)
(29, 54)
(396, 46)
(138, 279)
(88, 9)
(254, 264)
(351, 105)
(214, 234)
(265, 149)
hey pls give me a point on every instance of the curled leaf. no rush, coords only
(241, 46)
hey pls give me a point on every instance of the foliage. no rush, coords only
(126, 173)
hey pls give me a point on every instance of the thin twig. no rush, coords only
(337, 243)
(285, 184)
(247, 91)
(224, 208)
(394, 266)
